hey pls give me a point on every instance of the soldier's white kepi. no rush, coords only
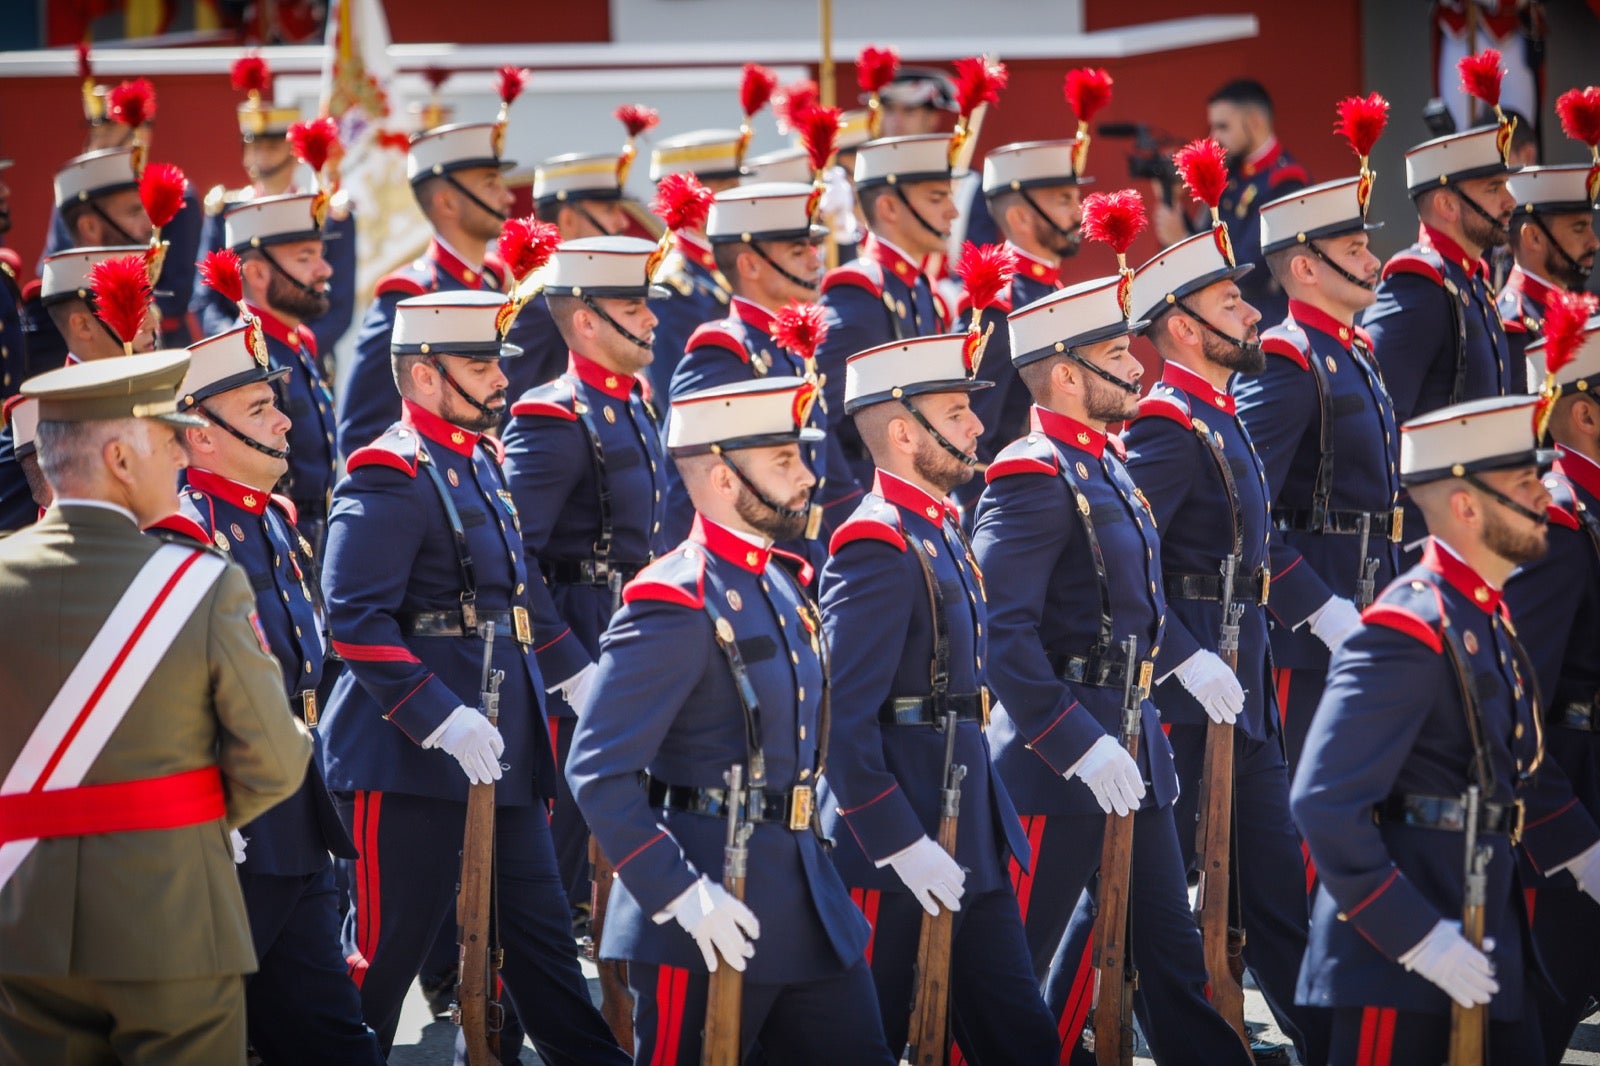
(1085, 313)
(785, 165)
(1456, 157)
(65, 275)
(577, 176)
(273, 220)
(22, 416)
(1582, 374)
(1330, 209)
(601, 267)
(945, 362)
(1469, 438)
(230, 360)
(1183, 270)
(897, 160)
(773, 211)
(467, 322)
(1031, 165)
(133, 386)
(855, 129)
(446, 149)
(707, 154)
(92, 174)
(1563, 190)
(746, 414)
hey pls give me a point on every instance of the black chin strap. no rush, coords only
(939, 438)
(588, 301)
(1317, 251)
(803, 511)
(483, 408)
(1577, 268)
(577, 205)
(277, 168)
(1126, 386)
(924, 223)
(809, 286)
(464, 191)
(1486, 216)
(1505, 501)
(127, 238)
(286, 276)
(1242, 345)
(1069, 234)
(257, 445)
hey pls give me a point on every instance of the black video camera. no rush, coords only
(1151, 156)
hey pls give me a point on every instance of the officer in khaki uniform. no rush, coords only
(148, 721)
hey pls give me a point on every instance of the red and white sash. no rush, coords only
(108, 678)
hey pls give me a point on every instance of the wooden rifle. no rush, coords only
(478, 1011)
(1115, 979)
(929, 1030)
(725, 995)
(1469, 1025)
(1223, 943)
(616, 1002)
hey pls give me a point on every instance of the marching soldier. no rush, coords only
(423, 547)
(1192, 457)
(1553, 244)
(1442, 696)
(697, 292)
(1062, 500)
(270, 165)
(1324, 428)
(145, 717)
(285, 276)
(747, 692)
(302, 1005)
(586, 470)
(766, 242)
(1556, 602)
(904, 611)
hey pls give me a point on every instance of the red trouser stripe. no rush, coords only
(1076, 1011)
(672, 991)
(189, 798)
(1377, 1036)
(369, 913)
(1022, 882)
(1281, 678)
(555, 740)
(1311, 867)
(1530, 896)
(866, 901)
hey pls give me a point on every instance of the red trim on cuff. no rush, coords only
(635, 852)
(547, 644)
(375, 653)
(1380, 890)
(847, 813)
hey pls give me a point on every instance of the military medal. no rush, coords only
(510, 504)
(735, 600)
(1333, 367)
(611, 415)
(1083, 504)
(724, 631)
(221, 539)
(932, 551)
(1083, 471)
(238, 534)
(451, 474)
(1470, 639)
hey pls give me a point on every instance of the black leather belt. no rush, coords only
(1247, 588)
(1384, 525)
(919, 710)
(512, 623)
(791, 807)
(1449, 812)
(1575, 715)
(1109, 670)
(589, 571)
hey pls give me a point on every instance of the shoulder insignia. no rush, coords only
(801, 570)
(1167, 405)
(872, 521)
(1030, 455)
(1118, 448)
(1286, 172)
(400, 282)
(1422, 262)
(1563, 509)
(182, 529)
(1295, 346)
(396, 449)
(553, 399)
(724, 333)
(286, 505)
(10, 262)
(1364, 337)
(31, 290)
(1561, 516)
(857, 275)
(678, 577)
(1410, 606)
(491, 444)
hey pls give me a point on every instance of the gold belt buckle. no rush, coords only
(1397, 524)
(1518, 822)
(983, 706)
(308, 707)
(1266, 585)
(813, 521)
(1146, 669)
(520, 623)
(800, 805)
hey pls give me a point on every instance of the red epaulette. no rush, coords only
(182, 524)
(1393, 611)
(878, 529)
(718, 334)
(1119, 449)
(1563, 517)
(400, 282)
(678, 578)
(286, 505)
(1416, 262)
(857, 276)
(391, 450)
(797, 565)
(1164, 405)
(553, 399)
(1364, 337)
(1019, 458)
(1287, 172)
(490, 443)
(1291, 344)
(32, 289)
(11, 260)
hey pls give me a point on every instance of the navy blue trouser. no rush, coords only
(403, 888)
(831, 1020)
(1171, 1004)
(1268, 874)
(1566, 928)
(301, 1005)
(1384, 1036)
(1299, 692)
(568, 831)
(996, 1012)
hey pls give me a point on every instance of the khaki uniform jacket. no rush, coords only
(157, 904)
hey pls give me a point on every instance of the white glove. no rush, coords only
(721, 925)
(1586, 871)
(1111, 774)
(1334, 621)
(469, 738)
(575, 689)
(1207, 678)
(239, 844)
(931, 874)
(1449, 960)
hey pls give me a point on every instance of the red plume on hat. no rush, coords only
(1087, 91)
(1360, 121)
(979, 80)
(791, 101)
(1566, 319)
(510, 81)
(681, 202)
(85, 68)
(875, 69)
(525, 245)
(161, 190)
(756, 86)
(122, 295)
(800, 329)
(1116, 219)
(94, 108)
(1579, 111)
(818, 128)
(1203, 166)
(1480, 78)
(433, 113)
(985, 271)
(636, 119)
(221, 273)
(251, 75)
(133, 103)
(315, 142)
